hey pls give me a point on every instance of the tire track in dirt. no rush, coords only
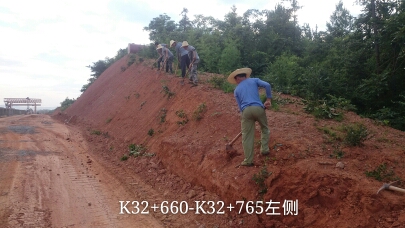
(48, 180)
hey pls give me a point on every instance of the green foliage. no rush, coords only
(222, 83)
(332, 134)
(163, 113)
(321, 110)
(183, 116)
(95, 132)
(66, 103)
(230, 58)
(381, 173)
(100, 66)
(337, 153)
(124, 158)
(137, 150)
(167, 92)
(199, 112)
(260, 177)
(131, 59)
(151, 132)
(356, 134)
(284, 74)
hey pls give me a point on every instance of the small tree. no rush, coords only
(66, 103)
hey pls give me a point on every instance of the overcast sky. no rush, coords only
(47, 44)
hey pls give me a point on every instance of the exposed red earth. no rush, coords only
(187, 161)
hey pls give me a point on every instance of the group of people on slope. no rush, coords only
(187, 56)
(246, 94)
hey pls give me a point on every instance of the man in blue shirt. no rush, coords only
(182, 57)
(248, 99)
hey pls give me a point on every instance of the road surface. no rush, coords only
(48, 179)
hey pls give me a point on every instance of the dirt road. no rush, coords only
(47, 179)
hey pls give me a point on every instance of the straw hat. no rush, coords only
(231, 77)
(171, 42)
(159, 47)
(185, 43)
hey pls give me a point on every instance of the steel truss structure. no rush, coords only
(10, 102)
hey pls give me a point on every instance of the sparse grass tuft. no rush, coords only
(138, 150)
(95, 132)
(198, 114)
(381, 173)
(183, 116)
(163, 112)
(260, 177)
(168, 92)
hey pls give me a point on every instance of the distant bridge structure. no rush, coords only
(10, 102)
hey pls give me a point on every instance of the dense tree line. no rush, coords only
(360, 59)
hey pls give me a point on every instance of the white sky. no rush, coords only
(46, 44)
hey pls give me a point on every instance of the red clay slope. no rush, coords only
(129, 104)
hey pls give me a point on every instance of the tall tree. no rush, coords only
(185, 23)
(341, 21)
(160, 28)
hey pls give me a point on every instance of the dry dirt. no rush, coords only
(66, 171)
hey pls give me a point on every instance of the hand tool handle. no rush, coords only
(233, 140)
(396, 189)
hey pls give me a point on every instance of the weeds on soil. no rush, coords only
(131, 60)
(356, 134)
(124, 158)
(337, 153)
(139, 150)
(260, 177)
(167, 92)
(151, 132)
(198, 114)
(183, 116)
(95, 132)
(163, 113)
(381, 173)
(220, 82)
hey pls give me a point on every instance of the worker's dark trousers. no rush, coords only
(184, 63)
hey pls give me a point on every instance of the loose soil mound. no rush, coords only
(186, 129)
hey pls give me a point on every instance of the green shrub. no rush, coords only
(183, 116)
(221, 82)
(320, 109)
(124, 158)
(260, 178)
(136, 150)
(198, 114)
(151, 132)
(381, 173)
(355, 134)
